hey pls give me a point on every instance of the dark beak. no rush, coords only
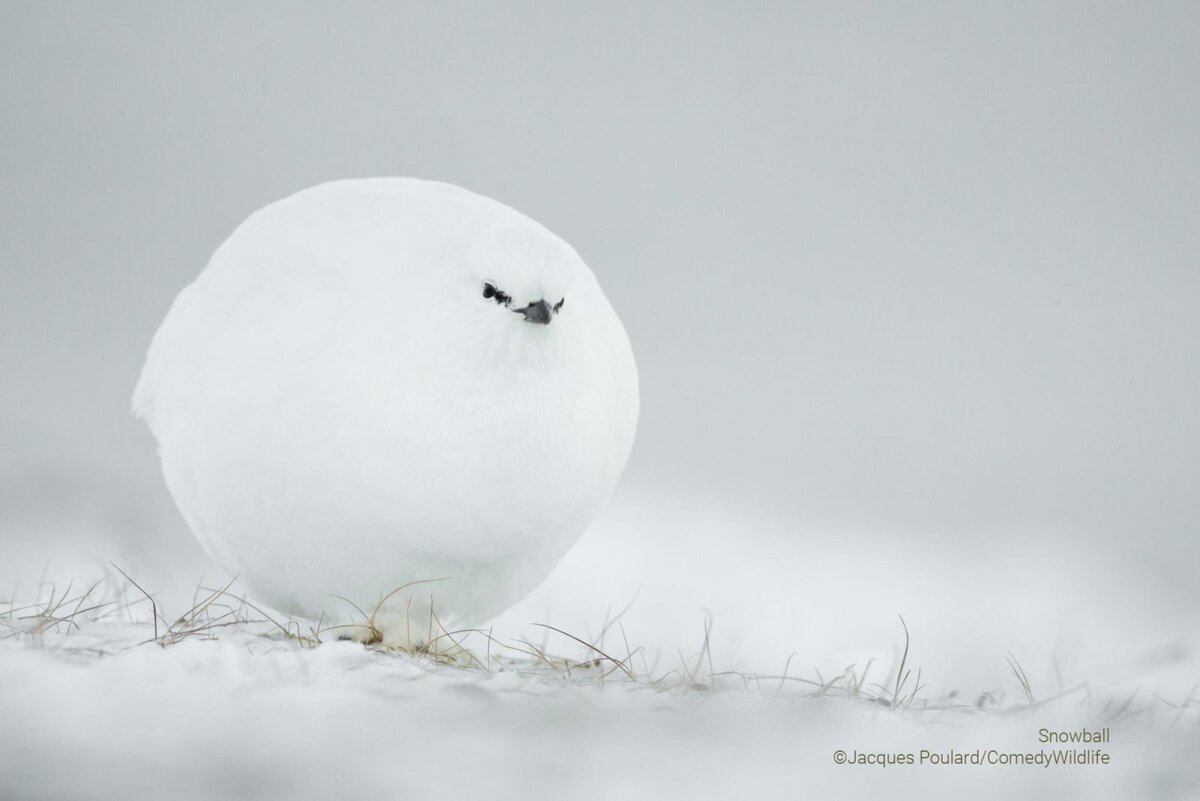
(537, 312)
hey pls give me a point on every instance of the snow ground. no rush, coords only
(95, 709)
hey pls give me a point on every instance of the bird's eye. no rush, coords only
(559, 305)
(492, 293)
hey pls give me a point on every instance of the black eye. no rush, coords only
(559, 305)
(492, 293)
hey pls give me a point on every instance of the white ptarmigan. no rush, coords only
(386, 381)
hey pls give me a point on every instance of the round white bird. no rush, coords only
(393, 399)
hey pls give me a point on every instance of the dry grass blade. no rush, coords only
(1022, 679)
(783, 679)
(150, 598)
(450, 656)
(901, 671)
(374, 633)
(618, 662)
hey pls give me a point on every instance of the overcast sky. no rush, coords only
(933, 266)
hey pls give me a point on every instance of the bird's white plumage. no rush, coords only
(340, 411)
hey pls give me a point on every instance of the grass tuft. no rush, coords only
(217, 612)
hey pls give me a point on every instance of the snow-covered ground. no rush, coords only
(931, 265)
(801, 661)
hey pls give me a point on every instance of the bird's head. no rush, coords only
(523, 275)
(536, 311)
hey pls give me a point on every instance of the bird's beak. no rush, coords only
(537, 313)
